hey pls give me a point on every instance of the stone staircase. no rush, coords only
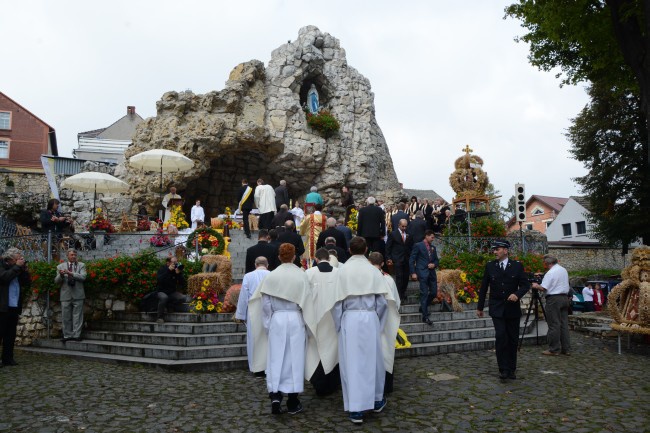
(213, 342)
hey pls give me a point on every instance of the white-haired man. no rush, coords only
(250, 283)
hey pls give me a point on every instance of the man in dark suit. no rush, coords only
(282, 195)
(417, 227)
(341, 254)
(398, 251)
(347, 232)
(246, 203)
(289, 236)
(14, 277)
(427, 211)
(423, 263)
(371, 225)
(332, 232)
(262, 249)
(399, 215)
(508, 284)
(282, 216)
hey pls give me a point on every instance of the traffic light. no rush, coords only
(520, 202)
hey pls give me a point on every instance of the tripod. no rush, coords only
(534, 303)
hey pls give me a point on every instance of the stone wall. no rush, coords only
(33, 323)
(23, 201)
(578, 258)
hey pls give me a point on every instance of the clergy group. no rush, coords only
(334, 327)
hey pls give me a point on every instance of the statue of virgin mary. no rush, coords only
(312, 100)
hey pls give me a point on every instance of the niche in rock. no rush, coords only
(322, 87)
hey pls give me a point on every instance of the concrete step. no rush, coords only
(205, 364)
(184, 340)
(167, 327)
(417, 317)
(146, 350)
(174, 317)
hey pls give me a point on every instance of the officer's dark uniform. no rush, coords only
(505, 314)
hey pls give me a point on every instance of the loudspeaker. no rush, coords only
(520, 202)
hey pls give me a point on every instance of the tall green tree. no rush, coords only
(606, 43)
(608, 136)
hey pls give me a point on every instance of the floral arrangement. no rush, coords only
(323, 122)
(177, 218)
(353, 220)
(127, 277)
(160, 239)
(100, 222)
(208, 238)
(206, 301)
(468, 293)
(231, 223)
(473, 265)
(143, 225)
(488, 228)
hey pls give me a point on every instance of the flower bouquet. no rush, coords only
(177, 218)
(206, 301)
(160, 239)
(101, 223)
(468, 293)
(353, 220)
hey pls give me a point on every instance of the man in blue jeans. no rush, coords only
(422, 264)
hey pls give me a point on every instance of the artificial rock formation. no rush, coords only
(255, 127)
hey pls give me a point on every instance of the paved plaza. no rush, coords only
(594, 390)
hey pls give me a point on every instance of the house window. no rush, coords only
(548, 223)
(529, 226)
(537, 211)
(581, 228)
(4, 149)
(5, 120)
(566, 229)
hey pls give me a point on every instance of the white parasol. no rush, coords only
(92, 181)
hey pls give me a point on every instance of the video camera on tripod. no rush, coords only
(535, 277)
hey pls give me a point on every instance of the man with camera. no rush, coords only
(556, 286)
(13, 278)
(170, 279)
(508, 283)
(70, 276)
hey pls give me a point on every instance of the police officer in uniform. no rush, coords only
(508, 284)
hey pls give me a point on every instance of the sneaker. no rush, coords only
(295, 410)
(276, 409)
(356, 417)
(549, 353)
(380, 405)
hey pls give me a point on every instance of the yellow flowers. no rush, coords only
(199, 306)
(463, 277)
(206, 283)
(210, 307)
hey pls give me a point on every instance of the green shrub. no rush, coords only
(128, 278)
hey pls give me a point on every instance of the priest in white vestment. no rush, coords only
(323, 371)
(171, 195)
(283, 300)
(265, 203)
(366, 319)
(197, 215)
(250, 283)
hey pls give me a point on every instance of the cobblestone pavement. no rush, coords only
(594, 390)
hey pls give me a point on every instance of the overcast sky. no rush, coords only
(444, 74)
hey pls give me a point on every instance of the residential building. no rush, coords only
(108, 144)
(541, 211)
(23, 138)
(571, 223)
